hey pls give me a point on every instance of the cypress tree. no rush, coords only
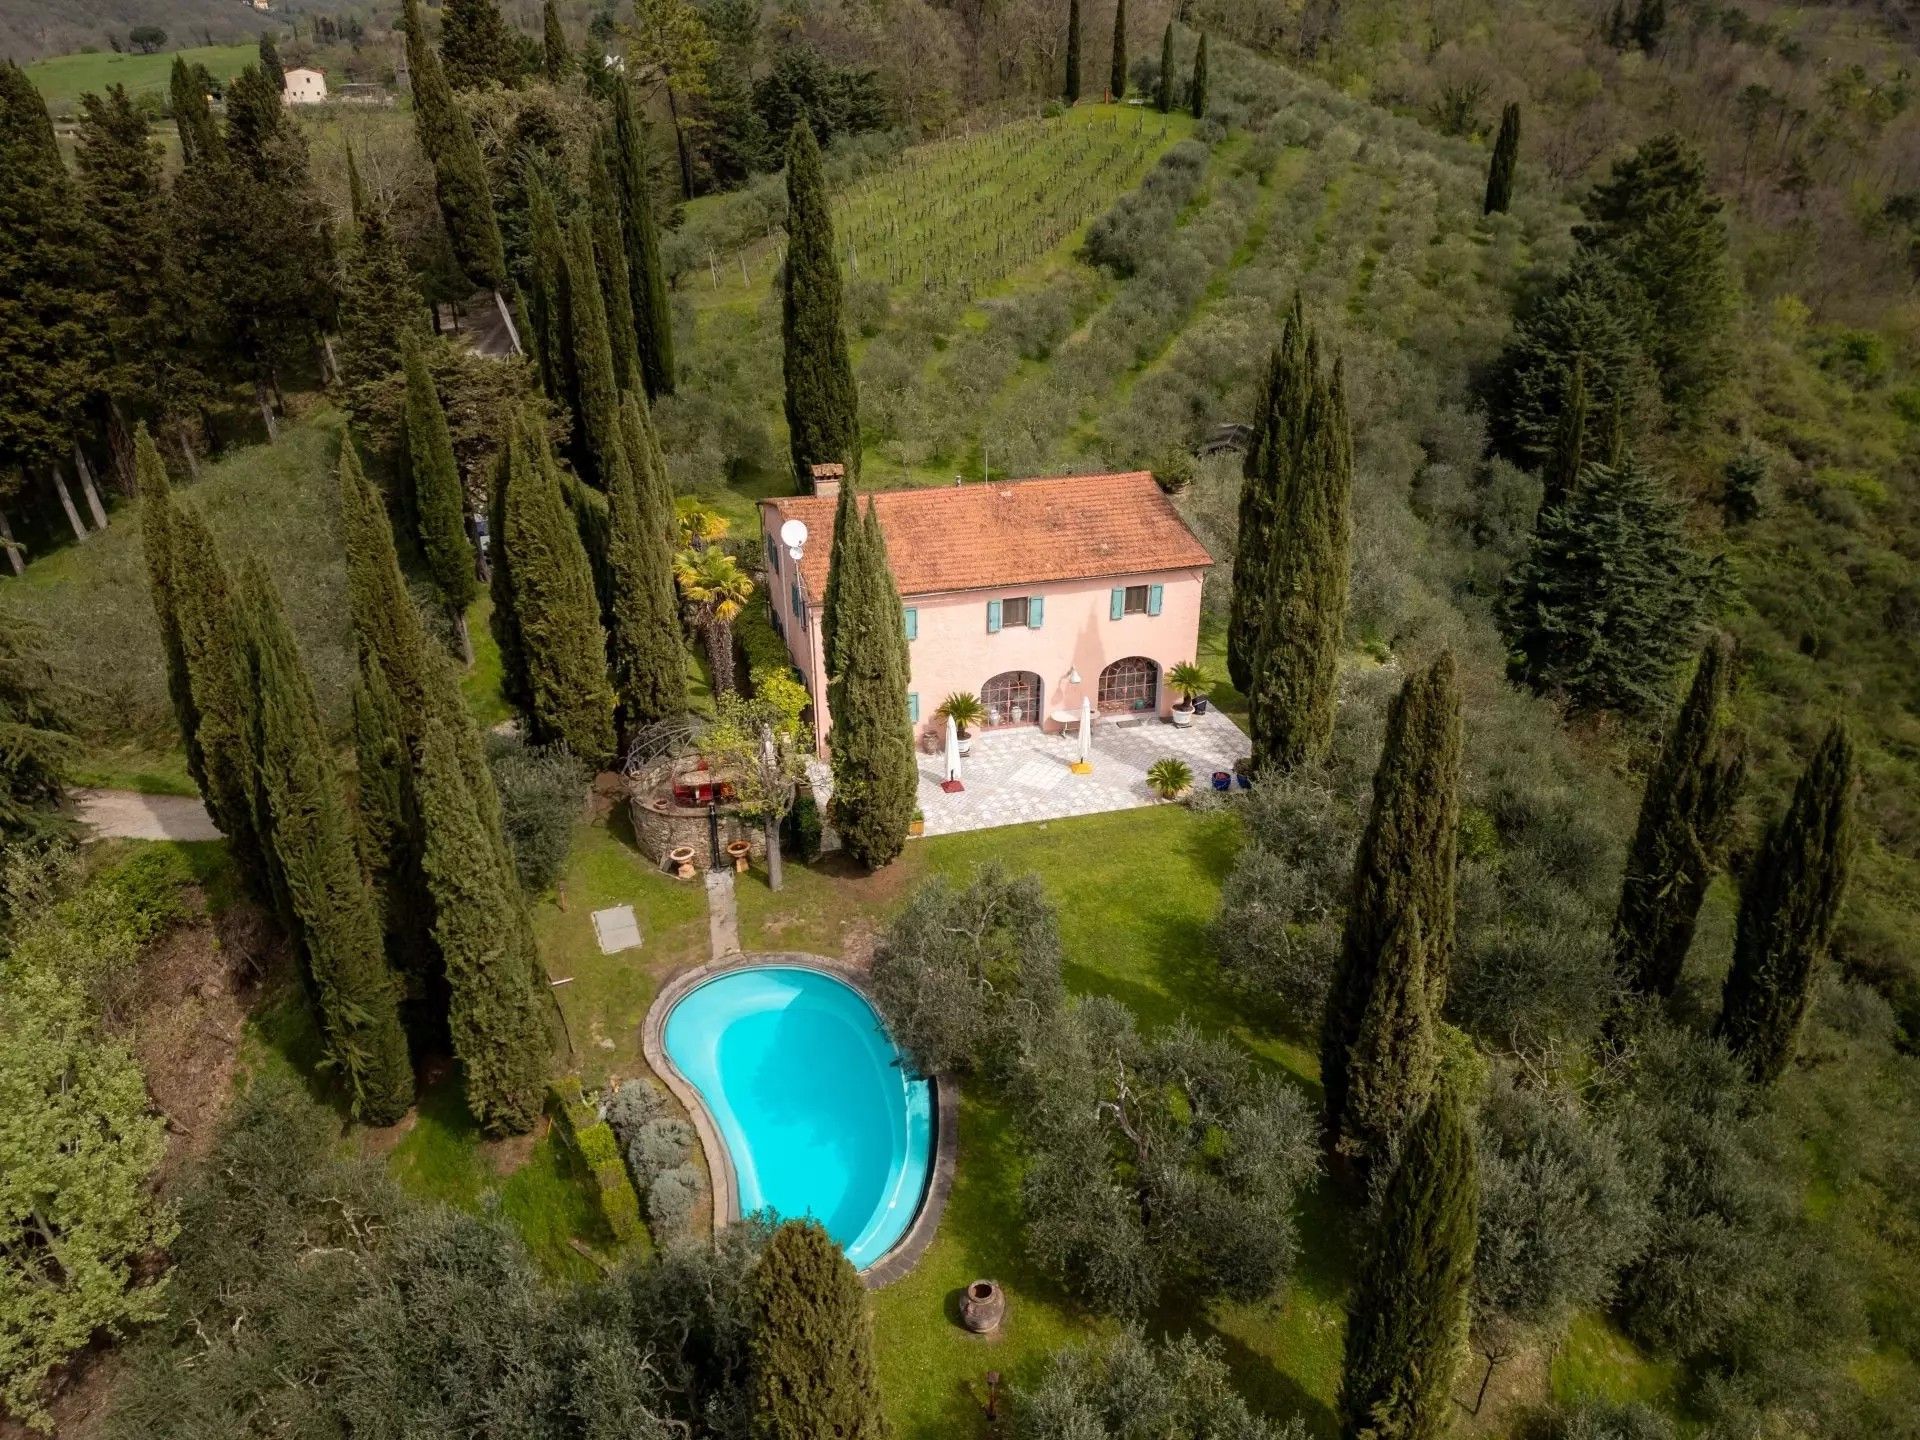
(1197, 87)
(187, 99)
(389, 836)
(439, 498)
(156, 541)
(646, 275)
(823, 408)
(1072, 90)
(871, 742)
(1403, 869)
(1686, 815)
(646, 660)
(812, 1344)
(1303, 604)
(270, 64)
(459, 172)
(381, 311)
(599, 395)
(1395, 1053)
(555, 611)
(1163, 88)
(1506, 154)
(610, 261)
(312, 834)
(359, 204)
(1409, 1306)
(843, 564)
(1788, 909)
(558, 60)
(1275, 431)
(1117, 79)
(552, 316)
(476, 45)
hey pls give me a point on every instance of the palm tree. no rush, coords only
(715, 589)
(699, 526)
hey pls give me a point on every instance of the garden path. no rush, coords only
(130, 815)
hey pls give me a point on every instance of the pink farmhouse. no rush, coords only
(1031, 594)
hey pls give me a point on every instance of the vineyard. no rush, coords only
(959, 215)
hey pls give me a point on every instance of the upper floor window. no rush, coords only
(1013, 611)
(1135, 602)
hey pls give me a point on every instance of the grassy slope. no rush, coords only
(64, 79)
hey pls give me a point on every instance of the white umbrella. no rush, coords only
(953, 751)
(1086, 730)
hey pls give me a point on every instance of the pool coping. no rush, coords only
(905, 1253)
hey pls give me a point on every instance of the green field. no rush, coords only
(65, 78)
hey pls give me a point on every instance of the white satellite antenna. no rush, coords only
(793, 535)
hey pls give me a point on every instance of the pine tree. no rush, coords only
(646, 660)
(1610, 594)
(610, 261)
(1163, 87)
(312, 834)
(871, 742)
(1506, 154)
(555, 611)
(812, 1342)
(1395, 1054)
(1071, 91)
(270, 64)
(459, 172)
(646, 275)
(1408, 1308)
(476, 45)
(35, 720)
(1788, 909)
(192, 113)
(1117, 77)
(156, 542)
(1561, 473)
(1686, 815)
(1197, 87)
(823, 407)
(1403, 871)
(599, 395)
(1301, 589)
(558, 60)
(439, 497)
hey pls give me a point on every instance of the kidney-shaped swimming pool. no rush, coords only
(821, 1115)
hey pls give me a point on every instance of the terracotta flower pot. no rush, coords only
(681, 859)
(738, 851)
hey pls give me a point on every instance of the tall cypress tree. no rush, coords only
(156, 542)
(556, 612)
(390, 841)
(1406, 1312)
(1395, 1054)
(552, 316)
(1117, 78)
(359, 203)
(646, 275)
(556, 57)
(1163, 88)
(477, 46)
(1276, 435)
(823, 407)
(192, 113)
(1072, 88)
(381, 310)
(312, 835)
(1686, 815)
(1506, 155)
(812, 1343)
(459, 171)
(598, 394)
(270, 64)
(647, 662)
(610, 261)
(1788, 909)
(871, 742)
(439, 498)
(1197, 87)
(1404, 869)
(1303, 587)
(843, 565)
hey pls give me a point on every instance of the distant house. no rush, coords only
(1031, 594)
(305, 87)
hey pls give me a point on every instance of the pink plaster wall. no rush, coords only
(954, 651)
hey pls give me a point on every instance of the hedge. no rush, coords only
(589, 1139)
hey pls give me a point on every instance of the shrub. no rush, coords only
(658, 1147)
(580, 1131)
(1141, 222)
(541, 790)
(1177, 1389)
(633, 1105)
(1598, 1419)
(1169, 776)
(671, 1198)
(802, 832)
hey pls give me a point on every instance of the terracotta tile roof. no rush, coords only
(1009, 532)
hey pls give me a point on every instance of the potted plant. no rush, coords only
(918, 824)
(963, 707)
(1170, 778)
(1189, 682)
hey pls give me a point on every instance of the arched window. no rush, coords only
(1130, 686)
(1012, 698)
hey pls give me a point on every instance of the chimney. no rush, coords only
(826, 480)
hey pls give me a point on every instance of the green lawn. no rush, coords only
(65, 78)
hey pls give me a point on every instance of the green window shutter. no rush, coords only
(993, 617)
(1118, 607)
(913, 623)
(1154, 593)
(1036, 607)
(913, 707)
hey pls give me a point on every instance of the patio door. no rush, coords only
(1012, 698)
(1130, 686)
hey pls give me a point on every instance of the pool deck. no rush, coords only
(907, 1251)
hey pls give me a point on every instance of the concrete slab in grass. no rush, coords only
(616, 929)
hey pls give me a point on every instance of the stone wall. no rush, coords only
(660, 826)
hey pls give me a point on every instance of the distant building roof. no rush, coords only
(1011, 532)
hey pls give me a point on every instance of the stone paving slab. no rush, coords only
(616, 929)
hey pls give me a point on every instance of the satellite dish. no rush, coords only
(793, 535)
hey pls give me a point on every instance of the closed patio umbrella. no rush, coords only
(1086, 731)
(952, 782)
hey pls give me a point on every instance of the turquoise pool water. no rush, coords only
(816, 1106)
